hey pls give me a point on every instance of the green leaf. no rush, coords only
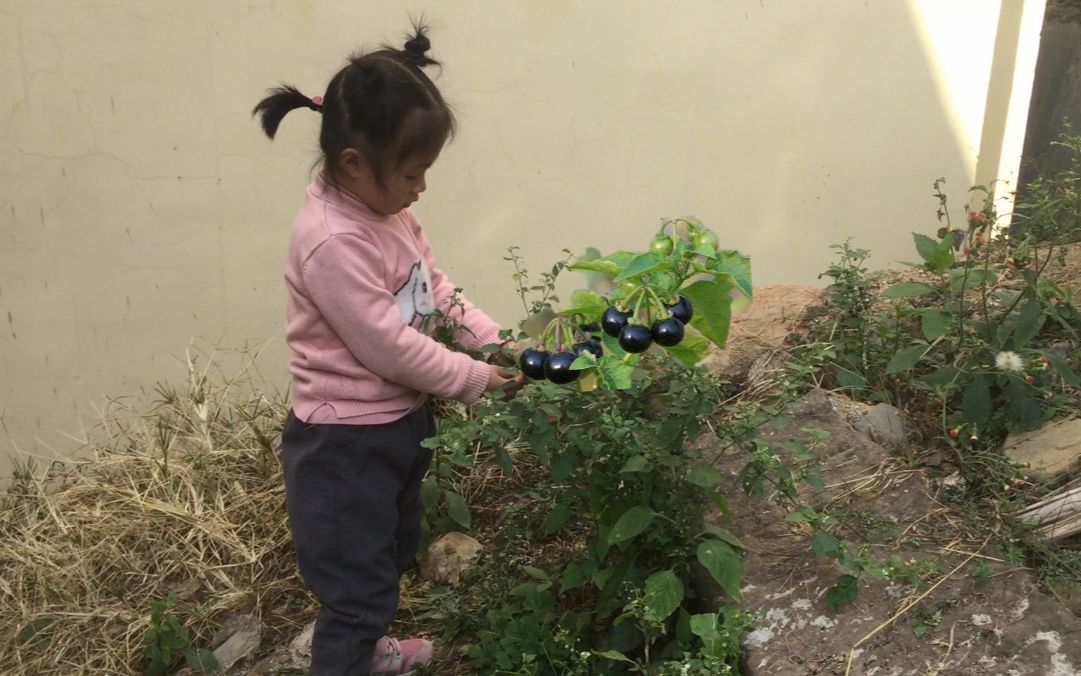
(723, 563)
(980, 276)
(704, 476)
(608, 265)
(712, 302)
(824, 545)
(612, 349)
(1062, 368)
(938, 255)
(557, 518)
(735, 265)
(429, 493)
(849, 380)
(935, 324)
(976, 402)
(632, 523)
(585, 303)
(584, 360)
(536, 573)
(614, 655)
(844, 591)
(562, 466)
(926, 246)
(1029, 322)
(663, 594)
(725, 535)
(905, 359)
(636, 463)
(615, 374)
(201, 660)
(1024, 407)
(908, 290)
(457, 509)
(643, 263)
(941, 377)
(572, 578)
(36, 628)
(704, 625)
(691, 350)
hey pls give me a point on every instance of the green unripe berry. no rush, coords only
(661, 245)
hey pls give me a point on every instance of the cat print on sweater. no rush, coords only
(414, 298)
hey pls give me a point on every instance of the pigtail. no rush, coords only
(280, 101)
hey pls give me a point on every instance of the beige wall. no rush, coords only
(140, 207)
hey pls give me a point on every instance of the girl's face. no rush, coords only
(404, 183)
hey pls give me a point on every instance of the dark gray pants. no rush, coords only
(353, 495)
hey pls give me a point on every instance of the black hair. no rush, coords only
(381, 103)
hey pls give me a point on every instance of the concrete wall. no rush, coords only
(140, 207)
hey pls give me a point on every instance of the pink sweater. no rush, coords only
(362, 290)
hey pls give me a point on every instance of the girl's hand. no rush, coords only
(503, 379)
(507, 355)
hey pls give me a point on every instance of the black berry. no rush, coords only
(667, 332)
(592, 345)
(635, 338)
(532, 363)
(682, 310)
(558, 368)
(614, 320)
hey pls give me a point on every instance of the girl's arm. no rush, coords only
(344, 278)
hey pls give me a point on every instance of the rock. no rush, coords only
(448, 557)
(294, 657)
(885, 425)
(300, 648)
(1049, 452)
(237, 640)
(980, 620)
(775, 312)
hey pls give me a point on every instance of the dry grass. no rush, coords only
(183, 494)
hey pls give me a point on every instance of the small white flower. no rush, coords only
(1008, 361)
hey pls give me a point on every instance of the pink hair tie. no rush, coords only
(317, 100)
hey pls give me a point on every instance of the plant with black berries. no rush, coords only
(677, 295)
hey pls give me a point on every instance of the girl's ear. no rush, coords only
(353, 163)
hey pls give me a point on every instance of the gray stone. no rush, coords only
(237, 640)
(885, 425)
(448, 557)
(1049, 452)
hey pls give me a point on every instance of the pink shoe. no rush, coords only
(400, 657)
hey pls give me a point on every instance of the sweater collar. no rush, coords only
(323, 189)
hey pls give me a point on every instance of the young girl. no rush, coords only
(361, 280)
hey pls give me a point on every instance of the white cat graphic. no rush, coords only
(414, 298)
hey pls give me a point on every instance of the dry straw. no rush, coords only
(181, 494)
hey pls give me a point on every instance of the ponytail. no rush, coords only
(279, 102)
(417, 46)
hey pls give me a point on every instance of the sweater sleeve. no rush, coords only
(482, 329)
(344, 278)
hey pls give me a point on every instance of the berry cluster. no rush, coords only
(635, 338)
(539, 364)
